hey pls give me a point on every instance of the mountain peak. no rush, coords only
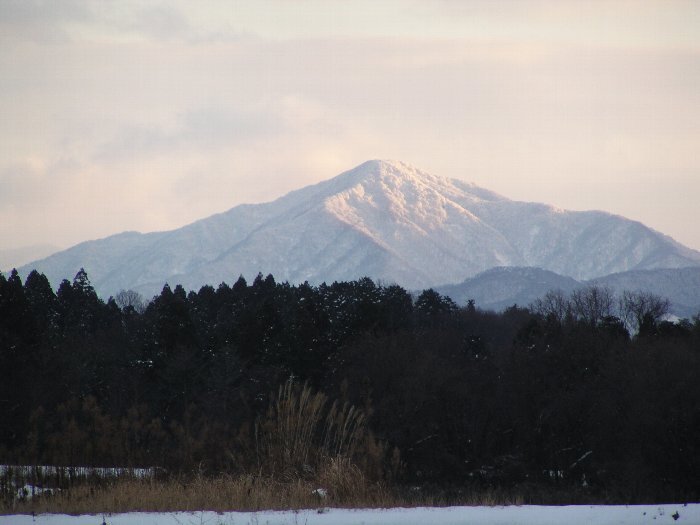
(395, 173)
(377, 170)
(384, 169)
(397, 177)
(384, 164)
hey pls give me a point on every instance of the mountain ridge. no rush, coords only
(382, 219)
(502, 287)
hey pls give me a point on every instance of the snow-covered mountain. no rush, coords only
(382, 219)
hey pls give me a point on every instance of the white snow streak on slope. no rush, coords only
(523, 515)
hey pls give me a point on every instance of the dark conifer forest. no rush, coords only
(558, 396)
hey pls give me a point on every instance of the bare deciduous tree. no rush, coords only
(554, 305)
(130, 298)
(593, 304)
(635, 307)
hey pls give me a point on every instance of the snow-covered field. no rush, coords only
(512, 515)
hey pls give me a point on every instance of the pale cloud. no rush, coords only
(202, 130)
(146, 116)
(650, 23)
(40, 21)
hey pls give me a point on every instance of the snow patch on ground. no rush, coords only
(511, 515)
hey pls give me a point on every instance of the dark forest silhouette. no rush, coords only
(451, 396)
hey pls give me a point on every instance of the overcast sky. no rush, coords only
(148, 115)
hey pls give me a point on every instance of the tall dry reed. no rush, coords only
(301, 436)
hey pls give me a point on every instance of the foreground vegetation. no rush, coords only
(242, 493)
(252, 396)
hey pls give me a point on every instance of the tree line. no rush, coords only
(582, 392)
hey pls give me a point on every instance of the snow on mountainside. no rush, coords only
(382, 219)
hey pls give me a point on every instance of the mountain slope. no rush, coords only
(501, 287)
(383, 219)
(584, 244)
(680, 285)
